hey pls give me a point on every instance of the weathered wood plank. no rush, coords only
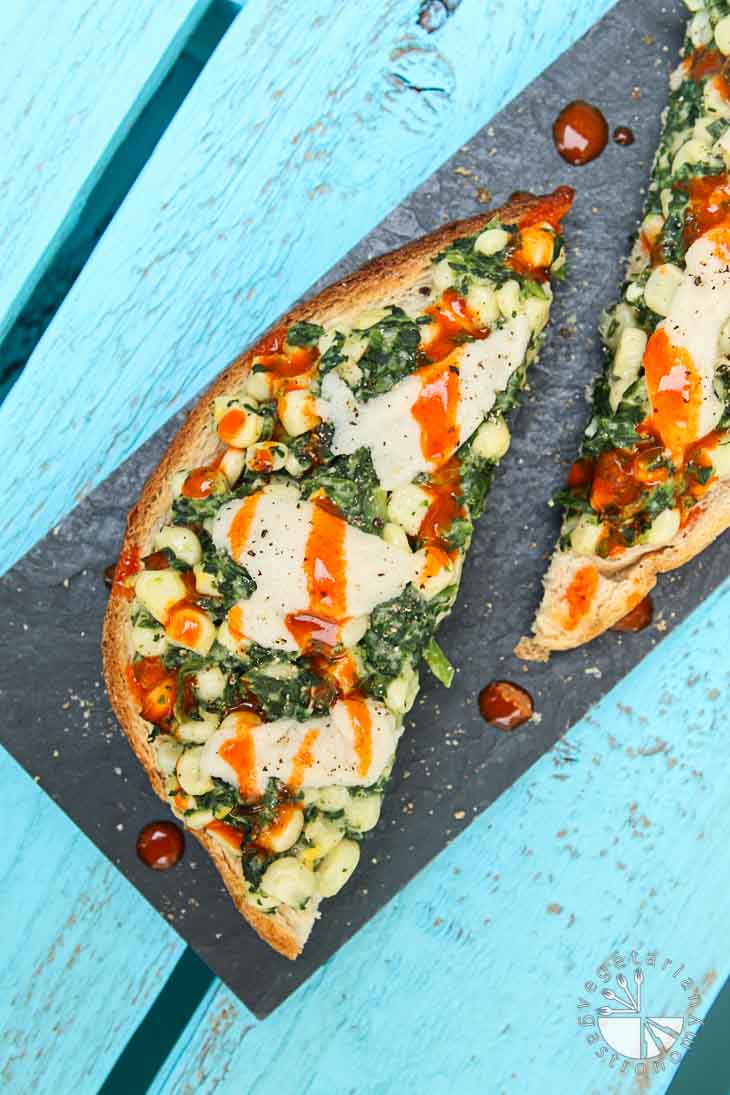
(73, 78)
(469, 981)
(83, 955)
(303, 130)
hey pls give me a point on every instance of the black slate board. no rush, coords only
(52, 602)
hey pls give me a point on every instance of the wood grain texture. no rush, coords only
(302, 132)
(536, 892)
(469, 981)
(83, 955)
(73, 78)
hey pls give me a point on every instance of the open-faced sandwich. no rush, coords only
(288, 563)
(651, 486)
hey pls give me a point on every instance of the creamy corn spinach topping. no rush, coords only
(226, 658)
(657, 438)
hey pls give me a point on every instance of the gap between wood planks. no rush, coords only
(109, 192)
(158, 1033)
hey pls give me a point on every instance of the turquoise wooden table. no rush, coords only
(195, 167)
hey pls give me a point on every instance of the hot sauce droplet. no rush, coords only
(623, 135)
(505, 705)
(580, 132)
(160, 845)
(638, 618)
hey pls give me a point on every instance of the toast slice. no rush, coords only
(287, 565)
(651, 486)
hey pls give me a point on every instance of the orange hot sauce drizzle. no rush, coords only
(326, 571)
(362, 724)
(446, 505)
(201, 482)
(240, 753)
(184, 624)
(534, 254)
(133, 685)
(579, 595)
(153, 688)
(549, 210)
(302, 760)
(262, 460)
(235, 623)
(436, 409)
(708, 62)
(341, 671)
(699, 456)
(708, 207)
(613, 485)
(230, 424)
(284, 814)
(240, 529)
(675, 394)
(455, 323)
(128, 564)
(228, 833)
(505, 705)
(160, 845)
(580, 132)
(638, 617)
(288, 366)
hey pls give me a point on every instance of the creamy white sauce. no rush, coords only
(273, 554)
(699, 310)
(334, 758)
(386, 425)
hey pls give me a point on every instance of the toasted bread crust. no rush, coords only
(195, 444)
(619, 590)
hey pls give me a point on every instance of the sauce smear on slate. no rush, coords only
(580, 132)
(623, 135)
(505, 705)
(638, 618)
(160, 845)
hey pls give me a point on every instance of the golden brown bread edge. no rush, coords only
(195, 444)
(620, 587)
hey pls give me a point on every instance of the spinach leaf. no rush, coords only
(701, 473)
(193, 511)
(300, 697)
(391, 353)
(351, 483)
(234, 583)
(313, 449)
(438, 663)
(459, 533)
(476, 479)
(510, 397)
(304, 334)
(378, 788)
(399, 631)
(333, 355)
(470, 265)
(254, 867)
(659, 499)
(220, 800)
(608, 429)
